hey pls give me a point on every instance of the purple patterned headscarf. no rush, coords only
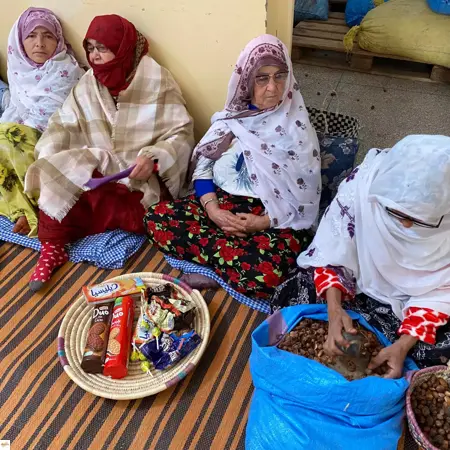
(40, 17)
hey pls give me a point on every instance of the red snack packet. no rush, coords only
(119, 343)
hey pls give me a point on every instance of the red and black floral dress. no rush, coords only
(253, 266)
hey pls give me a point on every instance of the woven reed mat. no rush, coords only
(41, 408)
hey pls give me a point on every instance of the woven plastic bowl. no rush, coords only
(419, 377)
(73, 334)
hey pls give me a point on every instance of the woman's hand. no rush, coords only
(143, 170)
(254, 223)
(394, 356)
(338, 321)
(225, 220)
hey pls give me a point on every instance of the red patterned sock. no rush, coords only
(52, 256)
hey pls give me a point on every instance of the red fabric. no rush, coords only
(120, 36)
(423, 323)
(109, 207)
(52, 256)
(325, 278)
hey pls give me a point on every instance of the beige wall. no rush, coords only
(197, 40)
(280, 17)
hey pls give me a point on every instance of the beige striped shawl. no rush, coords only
(90, 133)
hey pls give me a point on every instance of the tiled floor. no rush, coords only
(388, 108)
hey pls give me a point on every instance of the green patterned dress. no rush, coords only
(17, 144)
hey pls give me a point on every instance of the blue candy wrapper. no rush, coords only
(167, 349)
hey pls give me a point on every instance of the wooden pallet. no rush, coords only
(327, 36)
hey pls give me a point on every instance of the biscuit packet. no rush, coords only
(119, 343)
(110, 290)
(97, 339)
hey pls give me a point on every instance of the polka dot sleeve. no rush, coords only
(423, 323)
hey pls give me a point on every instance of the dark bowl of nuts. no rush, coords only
(428, 408)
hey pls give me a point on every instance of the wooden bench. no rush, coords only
(328, 36)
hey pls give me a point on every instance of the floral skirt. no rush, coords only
(299, 289)
(253, 266)
(17, 144)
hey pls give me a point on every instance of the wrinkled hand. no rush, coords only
(227, 221)
(143, 170)
(254, 223)
(338, 321)
(394, 356)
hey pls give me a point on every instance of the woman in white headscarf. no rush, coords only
(257, 180)
(41, 72)
(386, 236)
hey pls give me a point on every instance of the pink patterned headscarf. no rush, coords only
(280, 146)
(40, 17)
(37, 90)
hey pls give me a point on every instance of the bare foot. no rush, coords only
(199, 281)
(22, 226)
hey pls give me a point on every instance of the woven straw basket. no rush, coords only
(73, 334)
(419, 377)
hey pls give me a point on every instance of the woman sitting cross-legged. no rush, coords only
(41, 72)
(383, 249)
(126, 111)
(256, 179)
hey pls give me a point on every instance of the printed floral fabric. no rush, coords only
(17, 144)
(300, 289)
(253, 266)
(338, 157)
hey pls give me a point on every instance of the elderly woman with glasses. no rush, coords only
(256, 179)
(383, 250)
(127, 114)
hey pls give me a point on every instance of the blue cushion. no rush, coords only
(338, 158)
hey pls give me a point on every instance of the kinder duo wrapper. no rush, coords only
(119, 344)
(168, 349)
(97, 339)
(110, 290)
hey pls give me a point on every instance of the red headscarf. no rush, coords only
(122, 38)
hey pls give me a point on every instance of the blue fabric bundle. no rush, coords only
(440, 6)
(310, 10)
(356, 10)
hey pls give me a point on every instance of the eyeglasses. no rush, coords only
(417, 222)
(278, 78)
(100, 48)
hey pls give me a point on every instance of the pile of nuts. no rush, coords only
(431, 406)
(309, 336)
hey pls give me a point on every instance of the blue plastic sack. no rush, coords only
(440, 6)
(310, 10)
(300, 404)
(356, 10)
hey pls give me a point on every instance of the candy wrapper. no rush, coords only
(167, 349)
(144, 326)
(110, 290)
(170, 314)
(162, 309)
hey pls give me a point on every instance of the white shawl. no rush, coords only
(37, 91)
(280, 146)
(393, 264)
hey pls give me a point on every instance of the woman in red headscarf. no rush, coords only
(127, 112)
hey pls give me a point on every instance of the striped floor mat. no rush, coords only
(41, 408)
